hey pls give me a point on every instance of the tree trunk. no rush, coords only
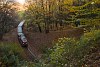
(47, 28)
(61, 23)
(56, 26)
(1, 36)
(39, 27)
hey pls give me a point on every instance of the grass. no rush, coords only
(15, 48)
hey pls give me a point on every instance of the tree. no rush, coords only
(8, 18)
(49, 12)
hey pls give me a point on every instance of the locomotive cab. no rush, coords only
(23, 41)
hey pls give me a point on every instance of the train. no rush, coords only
(21, 37)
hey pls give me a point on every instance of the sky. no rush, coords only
(21, 1)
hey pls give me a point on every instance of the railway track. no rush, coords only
(30, 56)
(32, 53)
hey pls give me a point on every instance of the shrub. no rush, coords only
(10, 54)
(69, 52)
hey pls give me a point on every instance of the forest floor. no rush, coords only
(40, 41)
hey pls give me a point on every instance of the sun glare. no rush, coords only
(21, 1)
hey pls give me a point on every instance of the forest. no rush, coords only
(55, 33)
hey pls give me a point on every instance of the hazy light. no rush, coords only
(21, 1)
(92, 3)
